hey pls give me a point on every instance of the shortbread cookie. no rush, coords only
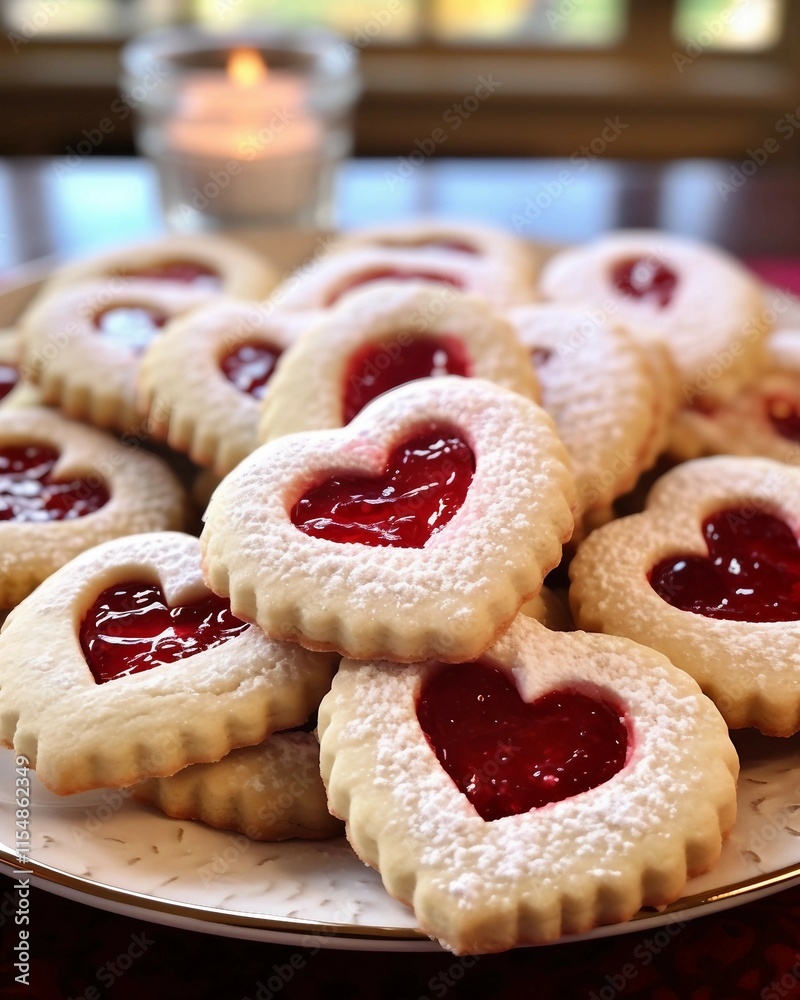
(562, 782)
(416, 531)
(15, 392)
(598, 387)
(82, 346)
(708, 309)
(268, 792)
(513, 254)
(333, 277)
(709, 575)
(64, 488)
(123, 666)
(200, 265)
(762, 420)
(376, 339)
(226, 354)
(551, 608)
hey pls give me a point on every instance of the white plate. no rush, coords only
(102, 849)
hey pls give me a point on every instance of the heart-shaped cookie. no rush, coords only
(272, 791)
(707, 309)
(457, 551)
(572, 792)
(83, 698)
(15, 392)
(64, 488)
(200, 265)
(381, 337)
(226, 354)
(708, 576)
(598, 385)
(335, 277)
(82, 345)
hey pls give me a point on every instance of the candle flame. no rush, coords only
(246, 68)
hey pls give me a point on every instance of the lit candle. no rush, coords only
(243, 145)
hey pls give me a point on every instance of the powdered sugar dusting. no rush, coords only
(150, 723)
(397, 603)
(308, 389)
(750, 669)
(677, 786)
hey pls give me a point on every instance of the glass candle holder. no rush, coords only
(245, 129)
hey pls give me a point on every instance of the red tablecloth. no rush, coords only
(80, 952)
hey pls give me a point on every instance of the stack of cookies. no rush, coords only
(404, 441)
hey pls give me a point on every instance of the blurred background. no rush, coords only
(652, 107)
(690, 77)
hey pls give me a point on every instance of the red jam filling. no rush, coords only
(424, 485)
(784, 417)
(509, 756)
(396, 275)
(9, 376)
(250, 367)
(185, 272)
(29, 493)
(645, 278)
(377, 368)
(132, 328)
(751, 573)
(130, 628)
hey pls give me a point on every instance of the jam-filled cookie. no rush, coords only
(15, 392)
(64, 488)
(598, 385)
(469, 240)
(418, 530)
(561, 782)
(200, 266)
(268, 792)
(82, 346)
(705, 307)
(332, 278)
(708, 574)
(379, 337)
(123, 666)
(226, 354)
(762, 419)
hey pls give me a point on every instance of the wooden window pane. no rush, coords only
(733, 25)
(363, 21)
(600, 23)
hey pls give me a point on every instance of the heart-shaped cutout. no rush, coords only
(423, 486)
(751, 573)
(28, 491)
(9, 376)
(184, 272)
(645, 278)
(250, 367)
(508, 756)
(131, 628)
(132, 328)
(378, 367)
(395, 274)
